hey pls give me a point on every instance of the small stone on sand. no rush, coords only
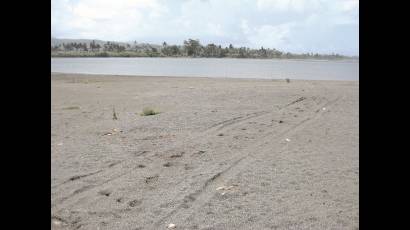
(56, 222)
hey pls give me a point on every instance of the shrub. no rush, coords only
(103, 54)
(148, 112)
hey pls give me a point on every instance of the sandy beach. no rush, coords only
(221, 154)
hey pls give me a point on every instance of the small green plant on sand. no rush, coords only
(148, 112)
(114, 114)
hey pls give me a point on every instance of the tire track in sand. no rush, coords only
(235, 120)
(206, 192)
(240, 119)
(111, 175)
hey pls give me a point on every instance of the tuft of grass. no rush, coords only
(148, 112)
(114, 114)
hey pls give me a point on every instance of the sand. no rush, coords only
(221, 154)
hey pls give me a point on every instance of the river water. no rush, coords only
(212, 67)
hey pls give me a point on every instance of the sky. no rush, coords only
(299, 26)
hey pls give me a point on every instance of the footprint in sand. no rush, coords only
(134, 203)
(105, 192)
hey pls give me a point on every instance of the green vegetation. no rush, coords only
(190, 48)
(148, 112)
(114, 114)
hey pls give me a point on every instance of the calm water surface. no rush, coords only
(211, 67)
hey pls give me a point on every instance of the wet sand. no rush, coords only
(221, 154)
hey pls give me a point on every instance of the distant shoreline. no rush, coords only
(53, 73)
(289, 59)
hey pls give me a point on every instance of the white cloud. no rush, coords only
(271, 36)
(103, 19)
(288, 5)
(349, 5)
(215, 29)
(245, 26)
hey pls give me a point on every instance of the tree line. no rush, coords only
(190, 48)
